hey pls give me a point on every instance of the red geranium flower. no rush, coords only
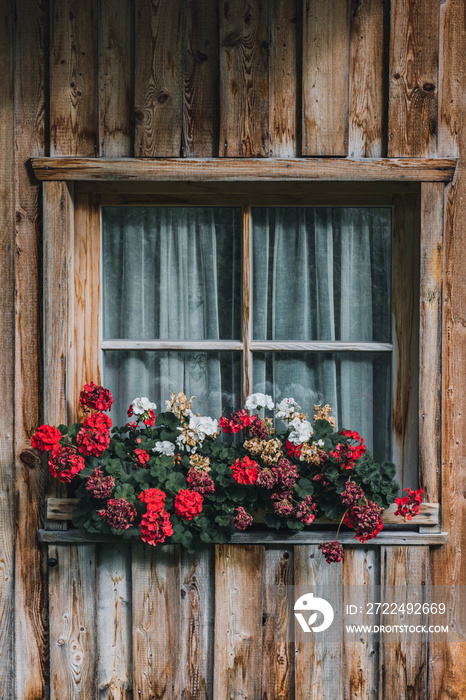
(245, 471)
(65, 464)
(409, 505)
(155, 498)
(188, 504)
(119, 513)
(151, 419)
(142, 456)
(96, 397)
(94, 436)
(236, 422)
(155, 526)
(46, 439)
(291, 450)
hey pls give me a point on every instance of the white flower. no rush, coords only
(258, 401)
(202, 426)
(164, 447)
(142, 405)
(320, 443)
(286, 407)
(301, 431)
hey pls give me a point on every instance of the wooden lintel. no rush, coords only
(244, 169)
(62, 508)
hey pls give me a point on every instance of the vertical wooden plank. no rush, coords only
(115, 63)
(318, 664)
(238, 618)
(7, 352)
(412, 115)
(361, 573)
(405, 338)
(158, 78)
(197, 624)
(72, 623)
(430, 345)
(156, 614)
(367, 104)
(448, 661)
(200, 96)
(31, 660)
(325, 77)
(278, 624)
(58, 273)
(73, 78)
(284, 95)
(85, 305)
(114, 667)
(451, 107)
(244, 48)
(403, 662)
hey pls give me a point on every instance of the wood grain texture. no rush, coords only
(58, 273)
(114, 662)
(116, 19)
(451, 105)
(325, 77)
(73, 623)
(403, 661)
(367, 103)
(318, 663)
(85, 304)
(62, 508)
(201, 69)
(405, 335)
(430, 341)
(361, 576)
(413, 539)
(158, 78)
(284, 77)
(31, 658)
(238, 621)
(245, 169)
(7, 354)
(278, 676)
(244, 48)
(197, 581)
(156, 614)
(413, 84)
(448, 661)
(73, 78)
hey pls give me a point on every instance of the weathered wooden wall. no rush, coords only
(216, 78)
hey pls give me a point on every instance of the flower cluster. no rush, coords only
(94, 436)
(65, 464)
(95, 397)
(155, 522)
(245, 471)
(119, 513)
(170, 476)
(100, 486)
(409, 505)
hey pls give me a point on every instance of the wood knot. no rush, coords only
(201, 57)
(397, 76)
(428, 87)
(30, 457)
(139, 115)
(162, 98)
(60, 641)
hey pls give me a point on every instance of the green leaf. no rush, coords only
(273, 521)
(125, 491)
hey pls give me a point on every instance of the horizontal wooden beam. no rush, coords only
(62, 508)
(303, 537)
(244, 169)
(254, 345)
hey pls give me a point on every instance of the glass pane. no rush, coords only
(356, 385)
(214, 378)
(322, 273)
(171, 273)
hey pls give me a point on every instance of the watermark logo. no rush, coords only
(308, 603)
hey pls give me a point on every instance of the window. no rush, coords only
(251, 295)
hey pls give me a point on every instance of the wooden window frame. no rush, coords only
(71, 214)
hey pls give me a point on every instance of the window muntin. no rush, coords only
(352, 241)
